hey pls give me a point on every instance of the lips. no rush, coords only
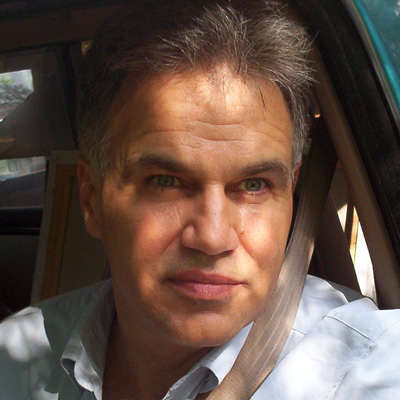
(204, 286)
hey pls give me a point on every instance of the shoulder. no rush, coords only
(32, 340)
(323, 303)
(56, 314)
(345, 350)
(318, 299)
(375, 373)
(358, 324)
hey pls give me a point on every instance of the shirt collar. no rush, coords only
(85, 353)
(210, 370)
(221, 359)
(217, 363)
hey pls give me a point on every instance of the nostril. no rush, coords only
(209, 240)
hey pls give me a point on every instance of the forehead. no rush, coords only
(205, 110)
(221, 94)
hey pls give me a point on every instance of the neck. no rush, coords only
(146, 368)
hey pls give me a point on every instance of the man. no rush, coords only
(192, 121)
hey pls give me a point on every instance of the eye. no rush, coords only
(252, 185)
(165, 180)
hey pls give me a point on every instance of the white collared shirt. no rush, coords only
(336, 350)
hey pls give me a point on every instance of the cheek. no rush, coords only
(138, 242)
(264, 234)
(136, 234)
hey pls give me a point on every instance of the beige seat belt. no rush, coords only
(271, 329)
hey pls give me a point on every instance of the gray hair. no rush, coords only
(255, 38)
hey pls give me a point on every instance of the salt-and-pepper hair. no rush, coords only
(254, 38)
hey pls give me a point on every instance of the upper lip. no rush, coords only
(204, 277)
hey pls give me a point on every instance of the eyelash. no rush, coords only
(156, 184)
(265, 184)
(178, 182)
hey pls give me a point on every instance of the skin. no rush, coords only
(194, 214)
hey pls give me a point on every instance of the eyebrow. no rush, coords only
(152, 161)
(167, 163)
(275, 166)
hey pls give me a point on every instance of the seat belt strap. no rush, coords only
(271, 329)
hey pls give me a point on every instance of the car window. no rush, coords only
(36, 118)
(378, 25)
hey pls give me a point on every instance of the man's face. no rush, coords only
(195, 208)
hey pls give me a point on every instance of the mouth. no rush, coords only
(199, 285)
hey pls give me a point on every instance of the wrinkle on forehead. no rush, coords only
(219, 100)
(225, 93)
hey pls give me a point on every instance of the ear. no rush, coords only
(89, 197)
(296, 173)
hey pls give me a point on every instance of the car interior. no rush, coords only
(43, 243)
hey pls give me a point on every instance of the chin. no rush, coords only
(210, 332)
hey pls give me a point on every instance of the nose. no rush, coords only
(212, 226)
